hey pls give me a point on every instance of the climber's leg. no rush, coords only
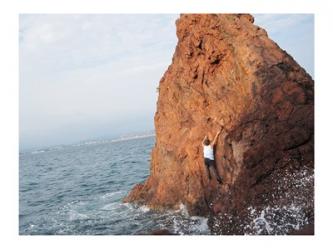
(207, 165)
(218, 177)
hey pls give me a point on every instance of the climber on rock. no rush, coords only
(208, 150)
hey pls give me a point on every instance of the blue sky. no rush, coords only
(95, 76)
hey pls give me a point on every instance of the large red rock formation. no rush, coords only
(226, 70)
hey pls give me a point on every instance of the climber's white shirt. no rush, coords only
(208, 152)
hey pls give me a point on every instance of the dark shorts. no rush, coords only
(209, 162)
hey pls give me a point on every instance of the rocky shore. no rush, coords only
(227, 71)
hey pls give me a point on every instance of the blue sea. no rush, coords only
(78, 190)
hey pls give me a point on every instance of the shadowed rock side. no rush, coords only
(226, 70)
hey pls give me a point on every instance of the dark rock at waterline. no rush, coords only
(227, 71)
(161, 232)
(306, 230)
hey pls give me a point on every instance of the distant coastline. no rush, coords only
(126, 137)
(122, 138)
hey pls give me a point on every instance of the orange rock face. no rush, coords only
(225, 70)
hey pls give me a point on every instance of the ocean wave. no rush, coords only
(74, 215)
(98, 209)
(110, 207)
(111, 194)
(38, 152)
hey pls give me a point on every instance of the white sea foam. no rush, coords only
(110, 207)
(264, 221)
(176, 221)
(127, 205)
(202, 226)
(183, 210)
(183, 223)
(190, 225)
(38, 152)
(144, 209)
(75, 215)
(111, 194)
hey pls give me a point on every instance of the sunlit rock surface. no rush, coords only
(226, 70)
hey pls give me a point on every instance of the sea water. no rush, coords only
(78, 190)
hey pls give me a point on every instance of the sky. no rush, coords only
(91, 76)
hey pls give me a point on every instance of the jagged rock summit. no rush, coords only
(226, 70)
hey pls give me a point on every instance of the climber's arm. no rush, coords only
(202, 143)
(216, 136)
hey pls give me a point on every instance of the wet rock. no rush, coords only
(161, 232)
(307, 230)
